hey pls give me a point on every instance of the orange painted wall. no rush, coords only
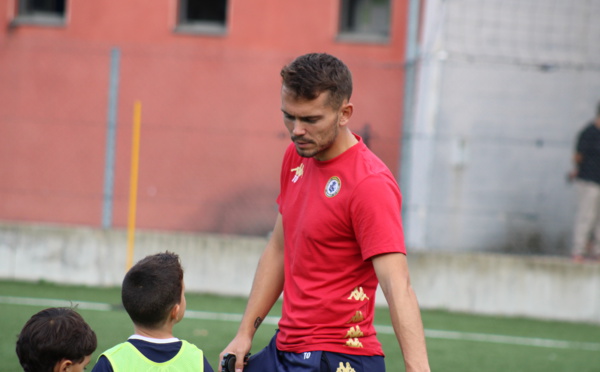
(212, 136)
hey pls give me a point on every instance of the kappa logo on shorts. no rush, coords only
(333, 187)
(299, 172)
(347, 368)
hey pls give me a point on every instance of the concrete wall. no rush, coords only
(503, 90)
(540, 287)
(212, 263)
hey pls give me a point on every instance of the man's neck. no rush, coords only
(344, 141)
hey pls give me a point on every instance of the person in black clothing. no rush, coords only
(586, 175)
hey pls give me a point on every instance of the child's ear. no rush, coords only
(175, 312)
(63, 366)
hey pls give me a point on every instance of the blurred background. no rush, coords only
(207, 76)
(473, 104)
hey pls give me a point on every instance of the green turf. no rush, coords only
(212, 336)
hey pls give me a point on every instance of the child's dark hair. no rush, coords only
(52, 335)
(312, 74)
(151, 288)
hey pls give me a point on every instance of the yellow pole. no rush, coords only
(135, 160)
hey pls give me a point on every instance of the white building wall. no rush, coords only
(503, 88)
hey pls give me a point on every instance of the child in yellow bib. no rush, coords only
(153, 295)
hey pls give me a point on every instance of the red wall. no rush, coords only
(212, 136)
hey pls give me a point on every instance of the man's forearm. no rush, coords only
(267, 285)
(266, 289)
(408, 327)
(392, 272)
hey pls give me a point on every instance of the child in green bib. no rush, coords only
(153, 296)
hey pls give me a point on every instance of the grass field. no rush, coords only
(455, 342)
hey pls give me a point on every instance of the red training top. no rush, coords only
(337, 214)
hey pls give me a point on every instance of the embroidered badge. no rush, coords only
(333, 187)
(299, 172)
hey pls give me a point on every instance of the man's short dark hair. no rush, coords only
(312, 74)
(52, 335)
(151, 288)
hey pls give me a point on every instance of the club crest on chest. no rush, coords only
(333, 186)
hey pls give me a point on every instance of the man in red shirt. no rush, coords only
(338, 234)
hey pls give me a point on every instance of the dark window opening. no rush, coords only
(203, 15)
(41, 13)
(206, 10)
(365, 19)
(42, 7)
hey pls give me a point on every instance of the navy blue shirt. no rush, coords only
(158, 353)
(588, 145)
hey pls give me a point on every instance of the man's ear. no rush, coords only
(346, 113)
(63, 366)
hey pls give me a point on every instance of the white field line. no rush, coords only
(54, 303)
(502, 339)
(229, 317)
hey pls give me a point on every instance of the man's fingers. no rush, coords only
(225, 362)
(239, 363)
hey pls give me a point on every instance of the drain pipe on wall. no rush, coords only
(410, 77)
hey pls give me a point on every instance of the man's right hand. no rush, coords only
(240, 347)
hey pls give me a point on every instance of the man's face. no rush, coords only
(313, 124)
